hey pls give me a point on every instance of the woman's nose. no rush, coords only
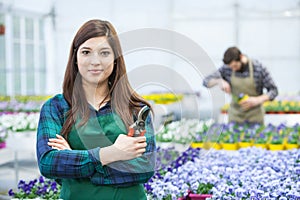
(95, 59)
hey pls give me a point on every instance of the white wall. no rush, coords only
(123, 15)
(267, 29)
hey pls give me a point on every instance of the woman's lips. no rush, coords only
(96, 71)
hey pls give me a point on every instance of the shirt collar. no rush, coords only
(244, 67)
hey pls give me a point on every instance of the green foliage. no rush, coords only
(204, 188)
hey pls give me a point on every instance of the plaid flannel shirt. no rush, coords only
(85, 163)
(262, 78)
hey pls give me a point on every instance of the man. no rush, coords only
(243, 77)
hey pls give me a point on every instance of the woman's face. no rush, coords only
(95, 60)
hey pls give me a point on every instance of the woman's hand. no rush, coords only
(130, 147)
(124, 148)
(59, 143)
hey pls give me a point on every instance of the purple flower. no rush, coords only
(53, 186)
(45, 188)
(41, 179)
(11, 193)
(31, 183)
(297, 170)
(148, 187)
(28, 190)
(39, 191)
(21, 184)
(34, 188)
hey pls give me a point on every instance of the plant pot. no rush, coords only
(2, 145)
(245, 144)
(291, 146)
(199, 196)
(196, 197)
(276, 147)
(229, 146)
(263, 146)
(217, 146)
(208, 145)
(2, 29)
(270, 112)
(197, 144)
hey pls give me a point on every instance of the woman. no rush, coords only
(82, 133)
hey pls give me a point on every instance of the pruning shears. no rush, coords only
(138, 127)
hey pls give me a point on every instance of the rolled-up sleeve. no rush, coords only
(269, 84)
(222, 73)
(64, 163)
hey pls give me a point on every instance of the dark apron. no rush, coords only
(247, 86)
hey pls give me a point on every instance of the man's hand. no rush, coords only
(250, 102)
(224, 85)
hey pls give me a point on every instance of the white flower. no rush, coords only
(19, 121)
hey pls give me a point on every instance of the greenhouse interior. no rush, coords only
(192, 99)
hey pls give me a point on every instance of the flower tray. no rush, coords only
(217, 146)
(263, 146)
(245, 144)
(206, 145)
(229, 146)
(291, 146)
(197, 144)
(276, 147)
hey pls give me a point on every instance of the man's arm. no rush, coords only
(269, 84)
(212, 79)
(216, 79)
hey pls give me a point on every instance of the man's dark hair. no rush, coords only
(231, 54)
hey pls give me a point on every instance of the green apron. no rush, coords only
(247, 86)
(83, 189)
(87, 137)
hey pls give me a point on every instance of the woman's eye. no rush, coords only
(105, 53)
(85, 52)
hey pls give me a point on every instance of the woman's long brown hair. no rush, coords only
(124, 101)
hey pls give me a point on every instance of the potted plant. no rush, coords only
(292, 140)
(246, 139)
(200, 136)
(229, 136)
(276, 142)
(225, 108)
(261, 140)
(280, 107)
(202, 192)
(213, 135)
